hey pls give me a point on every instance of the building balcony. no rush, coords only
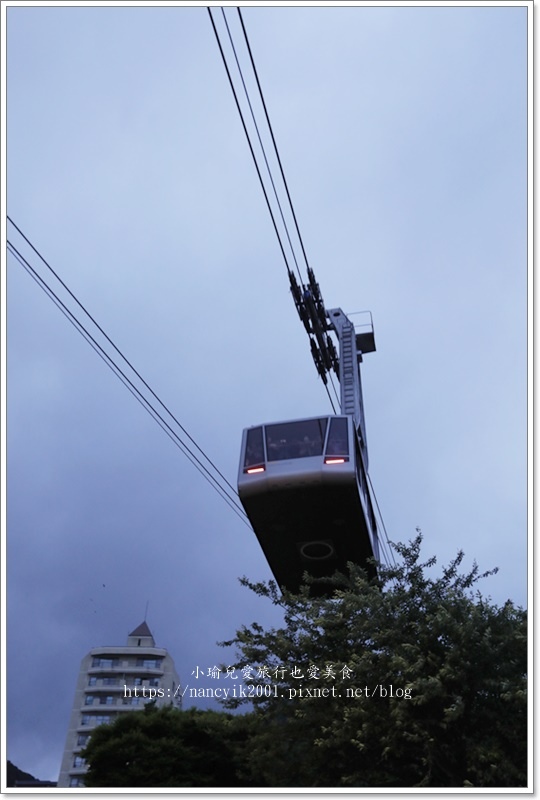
(121, 668)
(129, 683)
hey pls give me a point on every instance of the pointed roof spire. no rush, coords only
(141, 630)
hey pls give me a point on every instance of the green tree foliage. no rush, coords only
(165, 747)
(457, 661)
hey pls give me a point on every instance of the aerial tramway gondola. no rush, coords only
(303, 483)
(304, 487)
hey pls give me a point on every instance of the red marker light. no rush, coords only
(335, 460)
(253, 470)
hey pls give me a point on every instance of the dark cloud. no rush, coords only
(402, 132)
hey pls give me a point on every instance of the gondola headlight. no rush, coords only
(335, 460)
(253, 470)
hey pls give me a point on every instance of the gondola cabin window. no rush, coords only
(301, 439)
(338, 444)
(254, 448)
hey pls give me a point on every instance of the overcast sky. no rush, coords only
(403, 135)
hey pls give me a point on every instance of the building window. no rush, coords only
(76, 782)
(82, 739)
(149, 663)
(105, 662)
(106, 701)
(89, 700)
(78, 761)
(102, 719)
(137, 681)
(153, 682)
(86, 719)
(131, 701)
(92, 681)
(111, 681)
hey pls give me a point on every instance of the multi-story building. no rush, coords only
(113, 681)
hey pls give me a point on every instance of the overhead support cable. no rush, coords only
(129, 364)
(260, 140)
(216, 483)
(248, 139)
(389, 551)
(314, 327)
(272, 135)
